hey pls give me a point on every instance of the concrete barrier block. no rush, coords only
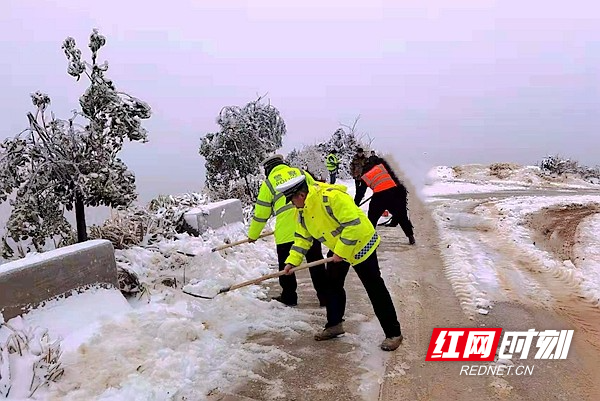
(214, 215)
(27, 282)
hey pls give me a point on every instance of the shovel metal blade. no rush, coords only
(222, 290)
(200, 296)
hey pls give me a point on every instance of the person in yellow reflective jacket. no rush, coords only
(333, 165)
(272, 203)
(328, 214)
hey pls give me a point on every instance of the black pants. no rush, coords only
(370, 276)
(394, 201)
(361, 188)
(332, 176)
(317, 273)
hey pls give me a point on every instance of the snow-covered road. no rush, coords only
(165, 345)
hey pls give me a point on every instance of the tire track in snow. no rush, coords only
(469, 270)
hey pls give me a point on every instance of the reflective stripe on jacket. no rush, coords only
(378, 179)
(332, 162)
(272, 203)
(331, 217)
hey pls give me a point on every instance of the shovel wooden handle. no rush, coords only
(280, 273)
(366, 200)
(243, 241)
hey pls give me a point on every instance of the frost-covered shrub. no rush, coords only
(161, 219)
(29, 350)
(559, 166)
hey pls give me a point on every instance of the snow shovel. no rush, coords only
(261, 278)
(365, 201)
(225, 246)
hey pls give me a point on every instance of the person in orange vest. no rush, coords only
(388, 194)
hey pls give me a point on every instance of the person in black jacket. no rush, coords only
(394, 199)
(356, 166)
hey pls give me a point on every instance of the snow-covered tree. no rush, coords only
(345, 140)
(309, 158)
(234, 154)
(56, 164)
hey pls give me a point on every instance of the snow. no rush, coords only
(488, 251)
(164, 344)
(213, 205)
(33, 258)
(586, 275)
(478, 178)
(72, 321)
(74, 318)
(587, 251)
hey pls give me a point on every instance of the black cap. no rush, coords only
(271, 162)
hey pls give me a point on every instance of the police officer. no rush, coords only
(333, 165)
(329, 215)
(271, 203)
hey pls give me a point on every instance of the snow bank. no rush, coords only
(75, 318)
(478, 178)
(166, 345)
(585, 275)
(182, 351)
(587, 254)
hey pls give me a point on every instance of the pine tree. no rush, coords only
(61, 163)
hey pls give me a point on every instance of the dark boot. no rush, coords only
(411, 240)
(285, 301)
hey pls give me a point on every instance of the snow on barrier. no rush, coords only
(27, 282)
(214, 215)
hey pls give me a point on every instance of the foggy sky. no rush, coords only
(448, 82)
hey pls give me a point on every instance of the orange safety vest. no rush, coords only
(378, 179)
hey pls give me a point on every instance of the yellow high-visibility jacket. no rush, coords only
(331, 217)
(272, 203)
(332, 162)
